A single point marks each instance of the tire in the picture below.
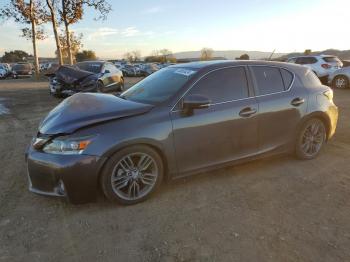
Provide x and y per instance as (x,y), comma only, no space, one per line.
(100,87)
(121,87)
(340,82)
(122,180)
(310,139)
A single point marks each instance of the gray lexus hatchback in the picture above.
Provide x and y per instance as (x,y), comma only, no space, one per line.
(182,120)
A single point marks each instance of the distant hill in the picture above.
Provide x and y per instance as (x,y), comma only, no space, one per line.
(229,54)
(232,54)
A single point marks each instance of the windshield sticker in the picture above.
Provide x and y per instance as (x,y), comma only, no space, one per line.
(184,72)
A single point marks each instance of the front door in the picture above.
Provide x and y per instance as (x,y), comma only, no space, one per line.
(225,131)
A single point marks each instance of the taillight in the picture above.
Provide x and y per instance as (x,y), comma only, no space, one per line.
(326,66)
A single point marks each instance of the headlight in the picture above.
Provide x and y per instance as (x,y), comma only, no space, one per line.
(67,146)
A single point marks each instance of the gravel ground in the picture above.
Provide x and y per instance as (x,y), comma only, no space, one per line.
(276,209)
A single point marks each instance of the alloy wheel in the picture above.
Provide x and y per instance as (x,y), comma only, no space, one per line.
(134,176)
(341,82)
(313,138)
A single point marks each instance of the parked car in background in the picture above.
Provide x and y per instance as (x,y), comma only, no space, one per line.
(181,120)
(5,70)
(22,70)
(90,76)
(322,65)
(340,78)
(130,70)
(346,63)
(149,69)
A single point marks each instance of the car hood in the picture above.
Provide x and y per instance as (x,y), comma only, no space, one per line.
(70,75)
(84,109)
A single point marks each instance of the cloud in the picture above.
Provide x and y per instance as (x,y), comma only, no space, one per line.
(129,32)
(102,32)
(153,10)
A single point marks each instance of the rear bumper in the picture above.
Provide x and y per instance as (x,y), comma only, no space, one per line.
(72,176)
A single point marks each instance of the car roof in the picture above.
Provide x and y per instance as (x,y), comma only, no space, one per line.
(319,56)
(226,63)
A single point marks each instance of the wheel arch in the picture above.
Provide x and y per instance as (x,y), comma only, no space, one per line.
(319,115)
(148,143)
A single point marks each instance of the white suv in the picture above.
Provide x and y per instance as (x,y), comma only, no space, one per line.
(321,65)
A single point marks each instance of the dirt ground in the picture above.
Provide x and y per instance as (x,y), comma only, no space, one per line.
(277,209)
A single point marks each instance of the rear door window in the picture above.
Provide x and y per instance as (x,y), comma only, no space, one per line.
(268,80)
(306,60)
(223,85)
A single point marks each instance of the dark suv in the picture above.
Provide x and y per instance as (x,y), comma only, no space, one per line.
(179,121)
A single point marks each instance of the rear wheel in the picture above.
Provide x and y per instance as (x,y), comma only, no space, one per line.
(132,175)
(310,139)
(340,82)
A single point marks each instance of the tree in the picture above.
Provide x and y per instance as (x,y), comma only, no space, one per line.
(307,52)
(243,57)
(76,44)
(206,54)
(52,4)
(85,55)
(31,14)
(133,56)
(166,53)
(161,56)
(72,11)
(14,56)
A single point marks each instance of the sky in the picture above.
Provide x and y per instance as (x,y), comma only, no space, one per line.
(189,25)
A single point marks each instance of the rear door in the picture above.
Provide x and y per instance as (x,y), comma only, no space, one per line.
(225,131)
(282,103)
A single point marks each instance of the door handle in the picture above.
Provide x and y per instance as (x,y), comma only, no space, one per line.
(248,111)
(297,101)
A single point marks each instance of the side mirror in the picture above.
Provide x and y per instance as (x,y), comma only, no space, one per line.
(107,71)
(194,101)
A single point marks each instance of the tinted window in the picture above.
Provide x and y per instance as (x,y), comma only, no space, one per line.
(330,59)
(268,79)
(159,86)
(93,67)
(306,60)
(111,68)
(21,67)
(287,78)
(223,85)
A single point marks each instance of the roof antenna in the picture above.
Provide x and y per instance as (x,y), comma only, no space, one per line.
(272,54)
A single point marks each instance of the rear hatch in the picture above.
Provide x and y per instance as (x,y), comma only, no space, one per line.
(333,61)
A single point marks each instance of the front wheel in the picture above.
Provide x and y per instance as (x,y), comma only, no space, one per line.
(132,175)
(121,85)
(340,82)
(310,139)
(100,87)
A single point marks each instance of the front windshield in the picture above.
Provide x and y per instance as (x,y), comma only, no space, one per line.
(90,67)
(159,86)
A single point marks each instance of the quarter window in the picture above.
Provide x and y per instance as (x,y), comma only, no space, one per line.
(268,80)
(223,85)
(287,78)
